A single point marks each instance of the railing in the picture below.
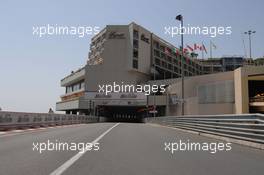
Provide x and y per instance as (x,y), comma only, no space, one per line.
(15,120)
(248,127)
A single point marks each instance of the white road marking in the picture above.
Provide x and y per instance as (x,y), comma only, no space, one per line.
(71,161)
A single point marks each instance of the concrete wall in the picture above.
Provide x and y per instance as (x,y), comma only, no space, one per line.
(192,104)
(229,98)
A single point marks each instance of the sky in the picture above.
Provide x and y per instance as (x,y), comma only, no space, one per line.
(31,67)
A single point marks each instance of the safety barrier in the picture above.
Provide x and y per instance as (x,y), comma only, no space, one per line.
(19,120)
(248,127)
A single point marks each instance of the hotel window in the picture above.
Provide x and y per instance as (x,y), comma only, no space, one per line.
(169,66)
(135,34)
(135,64)
(156,44)
(157,61)
(162,48)
(135,53)
(169,58)
(156,53)
(76,87)
(67,89)
(175,61)
(82,85)
(162,55)
(164,64)
(135,43)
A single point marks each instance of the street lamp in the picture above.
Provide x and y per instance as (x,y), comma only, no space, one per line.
(180,18)
(249,38)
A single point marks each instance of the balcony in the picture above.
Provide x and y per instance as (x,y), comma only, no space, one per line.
(79,103)
(73,77)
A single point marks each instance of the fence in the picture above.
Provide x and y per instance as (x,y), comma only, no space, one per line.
(9,120)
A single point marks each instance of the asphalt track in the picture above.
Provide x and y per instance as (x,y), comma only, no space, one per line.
(125,149)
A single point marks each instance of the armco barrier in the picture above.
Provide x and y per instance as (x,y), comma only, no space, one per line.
(11,120)
(248,127)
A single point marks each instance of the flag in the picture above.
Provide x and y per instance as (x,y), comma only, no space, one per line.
(196,46)
(190,48)
(204,48)
(187,60)
(185,51)
(167,51)
(176,51)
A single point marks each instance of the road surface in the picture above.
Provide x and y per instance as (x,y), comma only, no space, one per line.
(125,149)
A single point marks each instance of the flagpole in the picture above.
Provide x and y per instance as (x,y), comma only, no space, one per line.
(180,18)
(202,51)
(211,54)
(182,66)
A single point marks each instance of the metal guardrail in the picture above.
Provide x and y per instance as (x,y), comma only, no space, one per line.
(18,120)
(248,127)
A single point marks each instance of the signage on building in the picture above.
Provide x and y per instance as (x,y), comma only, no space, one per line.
(116,35)
(144,38)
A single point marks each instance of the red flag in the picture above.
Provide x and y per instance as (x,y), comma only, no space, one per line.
(190,48)
(167,51)
(204,48)
(187,60)
(185,50)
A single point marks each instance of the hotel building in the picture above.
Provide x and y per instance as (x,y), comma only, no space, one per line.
(128,54)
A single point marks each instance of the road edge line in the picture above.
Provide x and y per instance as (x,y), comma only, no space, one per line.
(72,160)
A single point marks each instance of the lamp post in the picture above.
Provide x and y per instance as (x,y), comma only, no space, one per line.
(154,106)
(249,33)
(180,18)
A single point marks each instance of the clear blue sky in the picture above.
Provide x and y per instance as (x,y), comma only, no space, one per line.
(31,67)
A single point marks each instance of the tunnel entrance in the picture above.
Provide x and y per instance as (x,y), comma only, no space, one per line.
(122,113)
(256,96)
